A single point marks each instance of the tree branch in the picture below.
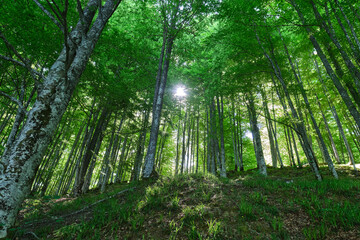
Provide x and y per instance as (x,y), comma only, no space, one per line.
(31,70)
(13,99)
(80,10)
(57,23)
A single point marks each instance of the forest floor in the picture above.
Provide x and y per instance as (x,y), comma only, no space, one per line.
(288,204)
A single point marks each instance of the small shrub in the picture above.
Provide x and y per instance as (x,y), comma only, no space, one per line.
(246,211)
(257,197)
(175,203)
(214,228)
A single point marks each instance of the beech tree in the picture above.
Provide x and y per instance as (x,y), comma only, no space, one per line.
(268,83)
(22,157)
(177,15)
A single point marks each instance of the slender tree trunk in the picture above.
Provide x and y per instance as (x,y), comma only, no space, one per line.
(161,150)
(89,153)
(94,156)
(221,128)
(337,119)
(197,140)
(277,144)
(209,148)
(70,158)
(295,148)
(342,91)
(188,151)
(269,128)
(159,94)
(336,154)
(289,147)
(240,141)
(124,165)
(256,135)
(55,161)
(332,35)
(183,152)
(121,160)
(315,125)
(299,126)
(177,143)
(157,159)
(140,148)
(213,140)
(205,144)
(105,171)
(234,136)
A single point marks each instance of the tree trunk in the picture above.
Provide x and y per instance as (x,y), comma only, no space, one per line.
(162,75)
(188,145)
(336,117)
(234,136)
(183,152)
(89,153)
(94,156)
(299,125)
(295,148)
(23,157)
(213,140)
(105,170)
(336,154)
(222,142)
(121,160)
(269,128)
(177,143)
(240,141)
(289,146)
(70,157)
(342,91)
(315,125)
(331,33)
(256,135)
(140,147)
(197,140)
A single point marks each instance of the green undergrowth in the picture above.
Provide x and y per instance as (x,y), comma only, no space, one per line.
(197,206)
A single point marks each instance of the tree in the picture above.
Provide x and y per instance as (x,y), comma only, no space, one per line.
(22,158)
(177,15)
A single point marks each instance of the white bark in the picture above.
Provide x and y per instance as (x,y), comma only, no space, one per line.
(257,138)
(23,157)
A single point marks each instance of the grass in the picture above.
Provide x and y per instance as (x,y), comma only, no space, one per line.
(196,206)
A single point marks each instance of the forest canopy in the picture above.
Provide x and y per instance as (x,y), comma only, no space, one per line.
(98,92)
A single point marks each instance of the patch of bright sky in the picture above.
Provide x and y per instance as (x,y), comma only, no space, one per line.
(249,134)
(180,91)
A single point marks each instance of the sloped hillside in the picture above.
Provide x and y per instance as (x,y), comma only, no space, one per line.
(245,206)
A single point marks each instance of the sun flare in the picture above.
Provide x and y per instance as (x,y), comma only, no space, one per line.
(180,92)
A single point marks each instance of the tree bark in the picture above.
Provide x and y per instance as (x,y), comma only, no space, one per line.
(183,152)
(298,125)
(197,140)
(168,41)
(213,140)
(140,147)
(177,143)
(331,33)
(337,119)
(342,91)
(23,157)
(256,135)
(220,107)
(89,153)
(269,128)
(307,104)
